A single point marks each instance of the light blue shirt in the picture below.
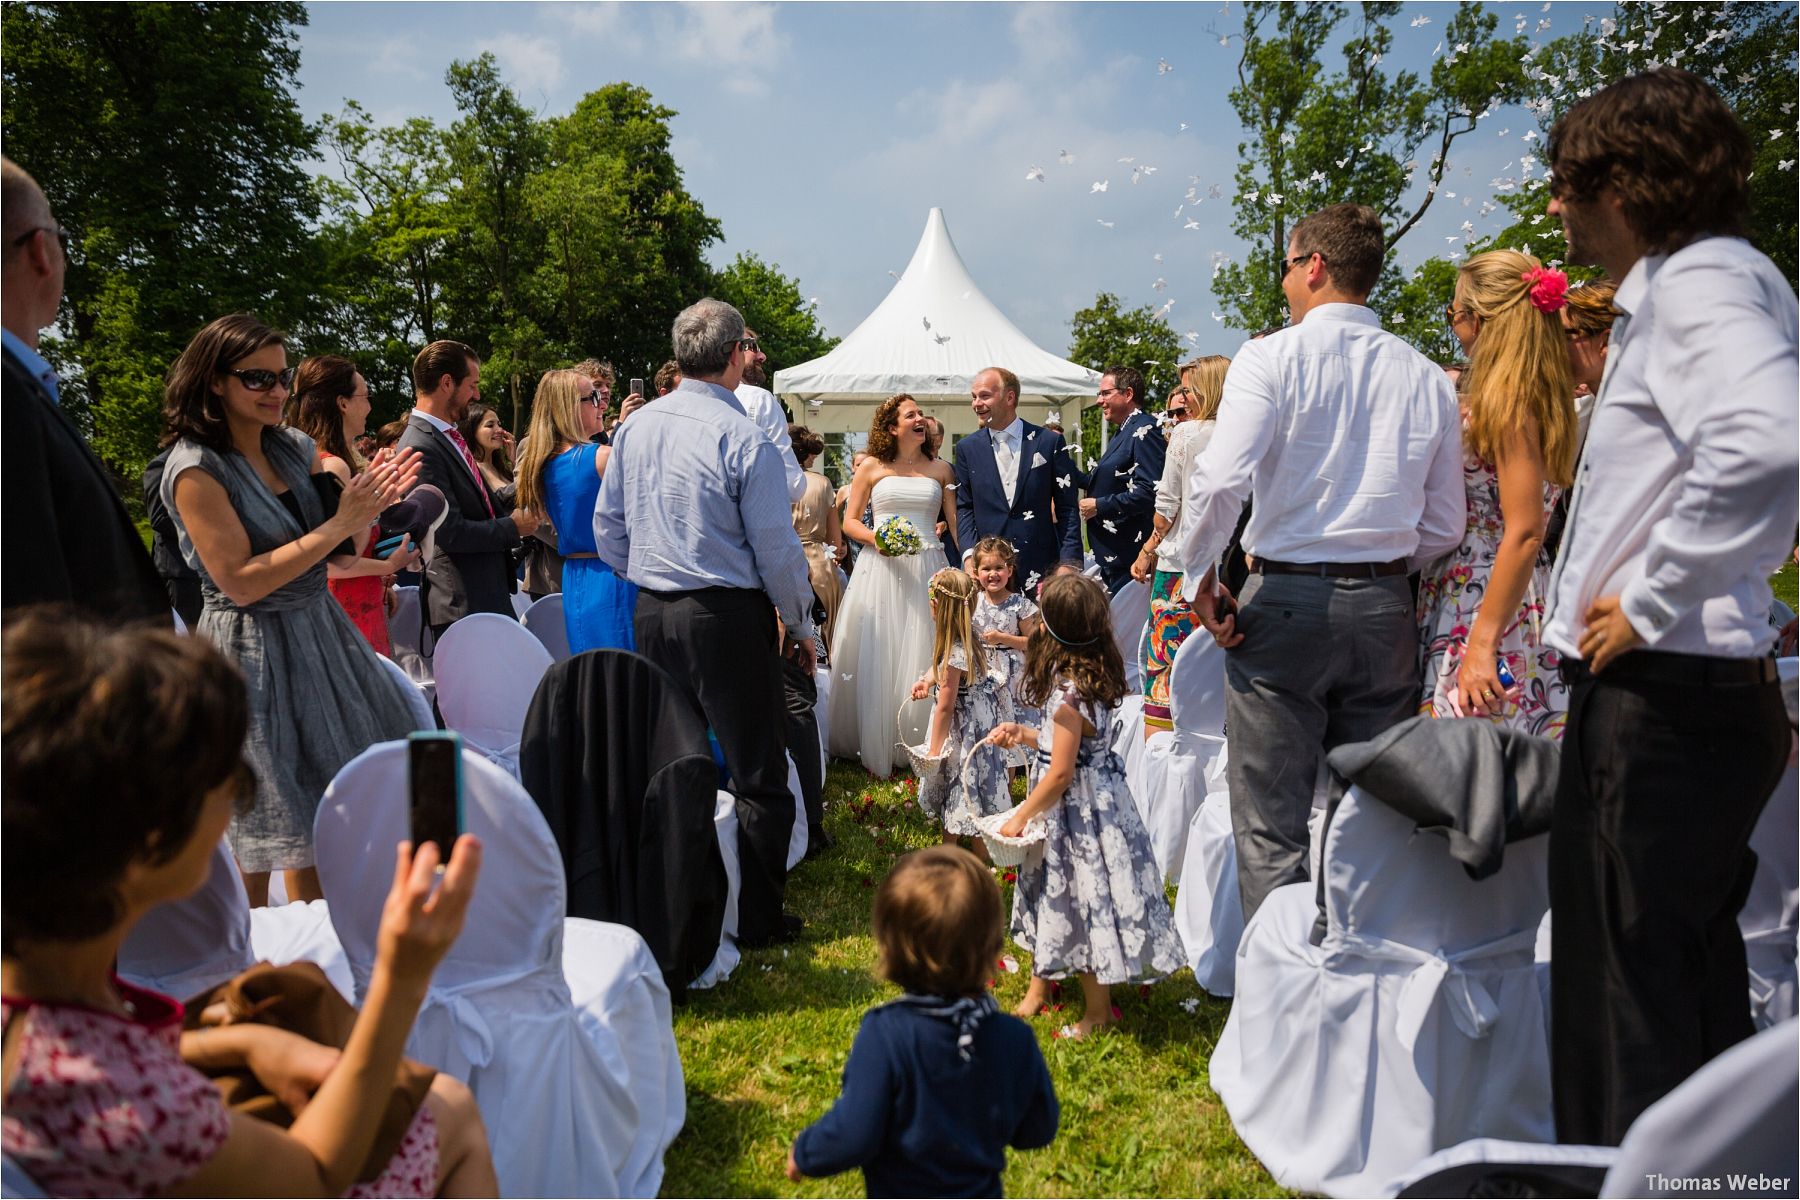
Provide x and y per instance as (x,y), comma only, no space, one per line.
(34,362)
(695,496)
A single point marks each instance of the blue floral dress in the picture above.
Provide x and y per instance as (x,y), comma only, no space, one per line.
(1091,900)
(981,704)
(1450,594)
(1007,664)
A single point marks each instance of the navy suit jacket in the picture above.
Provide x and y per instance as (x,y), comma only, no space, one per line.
(1041,522)
(472,571)
(1123,487)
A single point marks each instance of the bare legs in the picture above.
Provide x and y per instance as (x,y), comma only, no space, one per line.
(1096,998)
(302,884)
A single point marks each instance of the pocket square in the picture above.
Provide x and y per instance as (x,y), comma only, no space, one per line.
(1037,460)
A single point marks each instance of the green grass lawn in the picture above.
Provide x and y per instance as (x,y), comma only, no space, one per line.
(764,1051)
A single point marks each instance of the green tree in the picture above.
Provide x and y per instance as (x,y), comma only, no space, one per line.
(167,135)
(785,323)
(1104,335)
(1315,137)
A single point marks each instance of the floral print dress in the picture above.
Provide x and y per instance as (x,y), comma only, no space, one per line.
(1007,664)
(981,704)
(1450,593)
(1091,900)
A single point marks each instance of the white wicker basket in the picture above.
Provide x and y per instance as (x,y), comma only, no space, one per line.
(1010,851)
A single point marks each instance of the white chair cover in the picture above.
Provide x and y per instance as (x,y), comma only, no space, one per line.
(821,710)
(726,960)
(417,703)
(180,627)
(1176,764)
(797,835)
(521,601)
(1209,914)
(1130,612)
(1733,1121)
(1770,920)
(406,635)
(1417,1024)
(1494,1150)
(488,667)
(570,1111)
(547,624)
(192,945)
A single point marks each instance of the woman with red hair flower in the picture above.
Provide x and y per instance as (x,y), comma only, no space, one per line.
(1481,607)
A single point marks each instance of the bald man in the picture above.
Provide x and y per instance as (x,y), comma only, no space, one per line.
(65,536)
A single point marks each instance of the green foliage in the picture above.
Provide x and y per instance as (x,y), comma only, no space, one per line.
(1316,137)
(785,323)
(182,219)
(764,1053)
(1104,335)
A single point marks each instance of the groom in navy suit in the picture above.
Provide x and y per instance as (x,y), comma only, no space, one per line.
(1014,480)
(1121,490)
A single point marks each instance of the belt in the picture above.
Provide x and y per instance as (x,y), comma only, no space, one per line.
(581,554)
(685,593)
(1685,670)
(1327,570)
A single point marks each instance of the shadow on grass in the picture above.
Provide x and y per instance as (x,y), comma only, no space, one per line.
(704,1159)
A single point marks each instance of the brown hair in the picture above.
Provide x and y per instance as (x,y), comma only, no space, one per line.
(807,444)
(500,460)
(937,923)
(665,376)
(389,434)
(319,384)
(1591,308)
(1518,380)
(1349,238)
(439,359)
(882,443)
(555,426)
(596,368)
(1669,146)
(1128,379)
(1001,549)
(111,740)
(1204,379)
(190,409)
(1082,648)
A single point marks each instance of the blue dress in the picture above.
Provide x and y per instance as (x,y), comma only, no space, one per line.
(598,606)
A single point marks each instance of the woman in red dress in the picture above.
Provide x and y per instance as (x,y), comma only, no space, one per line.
(331,405)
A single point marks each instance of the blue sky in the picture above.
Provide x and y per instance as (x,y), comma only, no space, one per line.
(820,134)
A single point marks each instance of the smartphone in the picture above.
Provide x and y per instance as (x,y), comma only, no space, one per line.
(637,387)
(434,785)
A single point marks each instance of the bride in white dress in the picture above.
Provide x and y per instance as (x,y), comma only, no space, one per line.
(884,631)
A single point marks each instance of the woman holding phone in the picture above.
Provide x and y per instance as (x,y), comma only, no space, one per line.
(331,405)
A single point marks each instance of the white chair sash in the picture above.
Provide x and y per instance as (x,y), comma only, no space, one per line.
(1432,974)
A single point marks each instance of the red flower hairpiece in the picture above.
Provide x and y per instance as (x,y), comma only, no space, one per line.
(1547,288)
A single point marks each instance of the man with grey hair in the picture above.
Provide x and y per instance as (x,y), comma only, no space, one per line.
(694,510)
(67,536)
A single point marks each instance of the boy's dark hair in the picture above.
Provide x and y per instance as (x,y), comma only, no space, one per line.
(937,922)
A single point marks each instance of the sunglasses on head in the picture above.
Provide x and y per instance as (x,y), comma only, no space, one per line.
(256,379)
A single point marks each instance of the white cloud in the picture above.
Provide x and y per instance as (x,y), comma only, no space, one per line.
(1045,35)
(740,41)
(608,19)
(532,63)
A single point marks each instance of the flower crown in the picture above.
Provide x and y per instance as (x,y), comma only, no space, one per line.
(1546,287)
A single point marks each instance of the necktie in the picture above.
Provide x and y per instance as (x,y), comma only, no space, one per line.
(1005,462)
(480,484)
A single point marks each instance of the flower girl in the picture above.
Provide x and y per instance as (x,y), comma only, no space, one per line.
(1091,903)
(970,702)
(1004,620)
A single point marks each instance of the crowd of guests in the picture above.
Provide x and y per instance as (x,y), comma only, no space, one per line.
(1572,539)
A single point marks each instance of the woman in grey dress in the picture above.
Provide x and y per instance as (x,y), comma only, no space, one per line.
(239,485)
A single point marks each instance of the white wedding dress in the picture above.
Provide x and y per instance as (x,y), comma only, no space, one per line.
(884,632)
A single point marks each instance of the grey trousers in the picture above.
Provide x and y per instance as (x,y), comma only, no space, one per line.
(1324,662)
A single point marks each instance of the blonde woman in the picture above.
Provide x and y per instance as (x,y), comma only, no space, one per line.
(1195,409)
(559,475)
(1482,605)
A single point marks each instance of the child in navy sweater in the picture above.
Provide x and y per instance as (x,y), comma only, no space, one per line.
(939,1082)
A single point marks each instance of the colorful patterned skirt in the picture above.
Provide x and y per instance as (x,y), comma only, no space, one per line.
(1171,620)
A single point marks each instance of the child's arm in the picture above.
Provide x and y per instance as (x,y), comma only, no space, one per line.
(1065,743)
(850,1134)
(1012,641)
(1037,1125)
(945,707)
(1011,734)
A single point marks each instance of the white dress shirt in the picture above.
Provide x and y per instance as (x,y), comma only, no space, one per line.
(1007,443)
(1350,439)
(1185,444)
(761,406)
(1686,498)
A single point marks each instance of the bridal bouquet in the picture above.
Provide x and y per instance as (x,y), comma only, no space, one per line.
(898,537)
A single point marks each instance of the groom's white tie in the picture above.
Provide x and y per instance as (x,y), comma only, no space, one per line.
(1006,461)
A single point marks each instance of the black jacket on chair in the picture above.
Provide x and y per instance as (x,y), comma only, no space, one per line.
(473,569)
(67,536)
(617,759)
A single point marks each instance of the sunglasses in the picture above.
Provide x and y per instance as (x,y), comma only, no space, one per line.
(592,398)
(64,238)
(256,379)
(1288,264)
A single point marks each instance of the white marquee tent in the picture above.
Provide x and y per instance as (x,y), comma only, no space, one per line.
(930,337)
